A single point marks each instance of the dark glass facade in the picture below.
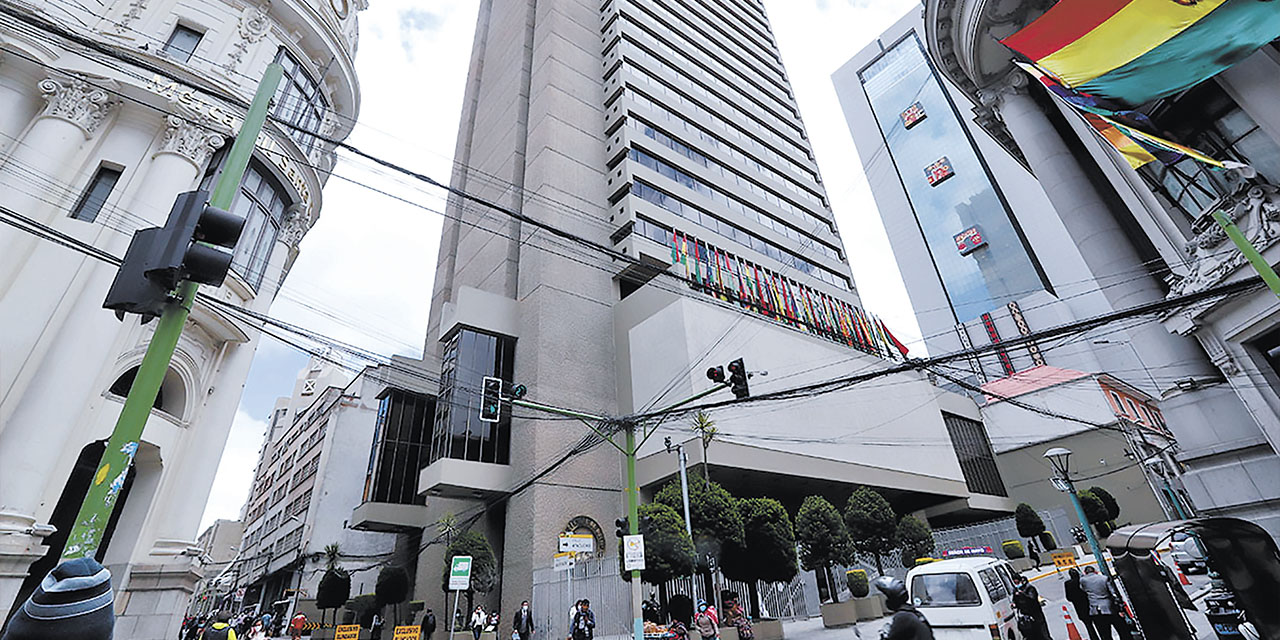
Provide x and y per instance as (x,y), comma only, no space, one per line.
(897,82)
(977,460)
(400,441)
(468,357)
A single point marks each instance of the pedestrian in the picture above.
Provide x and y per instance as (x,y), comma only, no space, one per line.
(1104,608)
(573,616)
(296,624)
(1031,620)
(375,627)
(478,620)
(680,608)
(1080,602)
(267,618)
(522,623)
(906,623)
(428,624)
(72,602)
(584,622)
(221,628)
(495,620)
(706,622)
(650,610)
(735,615)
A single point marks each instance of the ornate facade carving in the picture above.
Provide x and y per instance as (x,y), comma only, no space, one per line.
(1255,208)
(1218,355)
(75,100)
(193,141)
(297,222)
(136,7)
(254,25)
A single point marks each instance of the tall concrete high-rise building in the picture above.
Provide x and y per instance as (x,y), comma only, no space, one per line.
(666,132)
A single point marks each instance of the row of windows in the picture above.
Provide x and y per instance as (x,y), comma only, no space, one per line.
(737,206)
(299,102)
(662,199)
(1135,411)
(728,172)
(719,48)
(765,54)
(713,103)
(279,493)
(977,460)
(298,505)
(256,512)
(307,471)
(288,543)
(733,204)
(727,127)
(726,77)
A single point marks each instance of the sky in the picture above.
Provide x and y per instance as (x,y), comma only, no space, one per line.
(364,275)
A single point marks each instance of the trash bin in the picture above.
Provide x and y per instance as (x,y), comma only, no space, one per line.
(1221,610)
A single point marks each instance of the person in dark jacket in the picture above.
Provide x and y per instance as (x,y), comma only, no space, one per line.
(428,624)
(72,602)
(907,623)
(522,622)
(584,622)
(1031,620)
(1080,602)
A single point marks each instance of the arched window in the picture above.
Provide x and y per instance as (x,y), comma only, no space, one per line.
(262,200)
(172,398)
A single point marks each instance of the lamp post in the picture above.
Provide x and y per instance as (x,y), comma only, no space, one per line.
(684,482)
(1059,458)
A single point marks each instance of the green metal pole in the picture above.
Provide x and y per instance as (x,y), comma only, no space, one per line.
(633,518)
(1259,263)
(1088,531)
(100,501)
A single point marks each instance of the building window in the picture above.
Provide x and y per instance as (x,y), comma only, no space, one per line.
(1208,120)
(470,356)
(401,439)
(95,195)
(977,460)
(182,43)
(262,201)
(300,103)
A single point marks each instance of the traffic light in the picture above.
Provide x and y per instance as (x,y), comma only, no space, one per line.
(715,374)
(738,378)
(518,391)
(132,291)
(491,400)
(623,527)
(197,243)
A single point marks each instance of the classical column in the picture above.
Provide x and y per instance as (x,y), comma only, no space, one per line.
(16,100)
(1079,200)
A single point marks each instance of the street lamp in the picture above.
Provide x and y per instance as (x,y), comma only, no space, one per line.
(1060,458)
(684,482)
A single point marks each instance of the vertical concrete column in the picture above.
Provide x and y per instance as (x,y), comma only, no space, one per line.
(1087,213)
(16,100)
(1251,83)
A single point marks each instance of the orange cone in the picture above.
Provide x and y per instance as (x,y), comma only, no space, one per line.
(1182,577)
(1072,632)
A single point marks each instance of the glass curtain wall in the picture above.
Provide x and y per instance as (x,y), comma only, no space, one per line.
(468,357)
(400,446)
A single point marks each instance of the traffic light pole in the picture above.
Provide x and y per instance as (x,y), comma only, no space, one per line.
(104,490)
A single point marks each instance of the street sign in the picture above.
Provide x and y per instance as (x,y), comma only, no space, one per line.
(564,561)
(407,632)
(578,542)
(1060,484)
(347,632)
(460,573)
(633,553)
(1063,560)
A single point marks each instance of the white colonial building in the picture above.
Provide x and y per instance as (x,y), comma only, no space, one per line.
(107,111)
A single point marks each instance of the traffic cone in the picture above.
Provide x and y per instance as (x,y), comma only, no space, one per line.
(1182,577)
(1072,632)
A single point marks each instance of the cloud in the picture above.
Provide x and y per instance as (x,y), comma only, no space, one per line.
(235,472)
(416,23)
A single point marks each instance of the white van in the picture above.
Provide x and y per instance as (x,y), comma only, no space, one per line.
(965,598)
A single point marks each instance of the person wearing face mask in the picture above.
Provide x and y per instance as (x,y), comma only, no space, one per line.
(522,623)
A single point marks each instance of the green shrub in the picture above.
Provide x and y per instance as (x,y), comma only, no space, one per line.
(1013,549)
(1047,541)
(859,586)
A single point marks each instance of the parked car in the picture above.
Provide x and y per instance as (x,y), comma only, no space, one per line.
(1187,554)
(966,598)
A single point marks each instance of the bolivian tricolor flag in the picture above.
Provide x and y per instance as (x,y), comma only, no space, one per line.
(1136,51)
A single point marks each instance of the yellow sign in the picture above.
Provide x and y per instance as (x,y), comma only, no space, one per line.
(347,632)
(407,633)
(1063,560)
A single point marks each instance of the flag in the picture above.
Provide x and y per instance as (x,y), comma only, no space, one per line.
(902,348)
(1136,51)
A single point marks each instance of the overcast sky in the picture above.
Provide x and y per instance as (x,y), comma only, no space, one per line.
(365,272)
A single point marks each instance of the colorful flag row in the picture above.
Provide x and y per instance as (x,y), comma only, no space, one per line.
(738,281)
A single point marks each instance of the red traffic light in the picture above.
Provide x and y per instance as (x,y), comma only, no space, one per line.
(715,374)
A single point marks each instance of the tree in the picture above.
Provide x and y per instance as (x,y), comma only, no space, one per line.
(916,540)
(335,584)
(484,567)
(822,537)
(871,523)
(1108,501)
(768,552)
(668,551)
(715,519)
(705,427)
(392,588)
(1095,511)
(1030,525)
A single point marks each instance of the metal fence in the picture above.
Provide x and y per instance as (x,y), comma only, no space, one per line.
(597,580)
(994,532)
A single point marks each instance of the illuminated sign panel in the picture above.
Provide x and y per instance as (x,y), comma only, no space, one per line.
(939,171)
(970,240)
(913,115)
